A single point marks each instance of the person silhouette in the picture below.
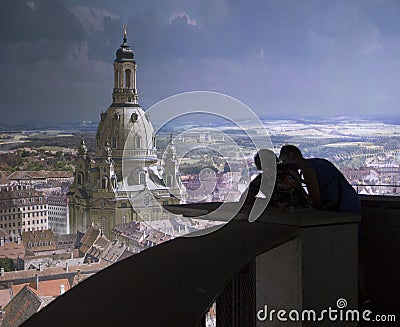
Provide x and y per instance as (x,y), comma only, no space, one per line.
(326,185)
(277,185)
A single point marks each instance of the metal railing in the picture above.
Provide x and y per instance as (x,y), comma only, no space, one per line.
(235,305)
(396,187)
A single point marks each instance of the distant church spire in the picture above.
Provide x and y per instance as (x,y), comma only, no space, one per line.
(82,150)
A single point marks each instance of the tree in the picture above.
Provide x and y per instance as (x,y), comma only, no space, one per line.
(7,264)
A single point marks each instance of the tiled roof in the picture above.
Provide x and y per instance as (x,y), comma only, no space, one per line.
(41,236)
(10,192)
(101,242)
(39,174)
(130,230)
(65,241)
(25,274)
(126,254)
(158,237)
(12,250)
(46,287)
(97,248)
(21,307)
(113,252)
(89,238)
(5,297)
(79,278)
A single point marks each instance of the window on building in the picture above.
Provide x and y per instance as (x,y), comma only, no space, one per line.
(138,142)
(104,183)
(116,78)
(128,76)
(142,178)
(114,142)
(103,224)
(146,200)
(80,179)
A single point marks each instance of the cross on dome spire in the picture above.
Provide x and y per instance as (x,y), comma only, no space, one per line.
(125,26)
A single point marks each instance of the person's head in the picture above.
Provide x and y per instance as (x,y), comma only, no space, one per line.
(264,158)
(291,154)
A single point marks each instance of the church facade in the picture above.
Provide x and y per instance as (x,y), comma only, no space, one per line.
(124,180)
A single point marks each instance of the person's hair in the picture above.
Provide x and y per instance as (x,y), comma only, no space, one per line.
(288,148)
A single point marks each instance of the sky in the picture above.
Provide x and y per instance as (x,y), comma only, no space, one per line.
(279,57)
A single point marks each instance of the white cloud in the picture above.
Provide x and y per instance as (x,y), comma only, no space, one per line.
(176,15)
(92,18)
(31,5)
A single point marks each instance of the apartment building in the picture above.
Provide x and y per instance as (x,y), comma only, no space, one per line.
(22,208)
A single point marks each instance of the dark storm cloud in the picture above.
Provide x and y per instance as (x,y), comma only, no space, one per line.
(44,64)
(277,56)
(41,29)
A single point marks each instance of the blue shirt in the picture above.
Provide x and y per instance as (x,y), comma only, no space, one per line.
(333,186)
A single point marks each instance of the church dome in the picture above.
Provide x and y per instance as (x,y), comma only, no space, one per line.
(124,53)
(129,129)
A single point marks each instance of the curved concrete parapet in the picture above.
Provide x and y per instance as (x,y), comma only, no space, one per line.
(168,285)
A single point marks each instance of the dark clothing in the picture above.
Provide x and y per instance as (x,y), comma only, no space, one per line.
(287,191)
(336,192)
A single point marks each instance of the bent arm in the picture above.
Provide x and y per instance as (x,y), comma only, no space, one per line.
(311,180)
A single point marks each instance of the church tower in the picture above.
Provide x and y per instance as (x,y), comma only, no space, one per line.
(125,91)
(98,196)
(125,116)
